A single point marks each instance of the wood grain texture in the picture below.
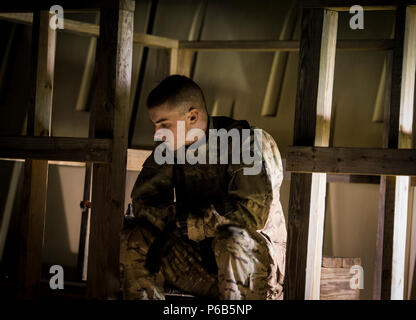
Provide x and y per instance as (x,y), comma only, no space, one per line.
(149,40)
(93,30)
(30,6)
(281,45)
(369,161)
(109,120)
(279,64)
(367,4)
(36,171)
(392,222)
(56,148)
(322,136)
(336,277)
(312,122)
(180,62)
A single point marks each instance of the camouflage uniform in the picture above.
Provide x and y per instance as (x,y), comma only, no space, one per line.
(220,214)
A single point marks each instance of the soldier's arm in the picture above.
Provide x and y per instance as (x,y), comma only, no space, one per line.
(248,201)
(152,194)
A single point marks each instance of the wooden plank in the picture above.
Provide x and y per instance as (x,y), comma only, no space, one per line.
(383,91)
(366,4)
(180,62)
(332,262)
(56,148)
(138,81)
(391,232)
(405,141)
(335,285)
(36,171)
(90,29)
(279,64)
(336,277)
(351,178)
(349,262)
(280,45)
(312,118)
(109,120)
(30,6)
(369,161)
(154,41)
(135,160)
(87,75)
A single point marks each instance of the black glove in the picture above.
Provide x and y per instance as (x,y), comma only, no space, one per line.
(161,245)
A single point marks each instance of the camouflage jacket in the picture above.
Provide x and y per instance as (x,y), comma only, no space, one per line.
(209,195)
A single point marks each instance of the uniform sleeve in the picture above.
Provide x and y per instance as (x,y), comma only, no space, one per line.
(248,202)
(152,194)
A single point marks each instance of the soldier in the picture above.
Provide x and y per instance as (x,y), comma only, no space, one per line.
(208,229)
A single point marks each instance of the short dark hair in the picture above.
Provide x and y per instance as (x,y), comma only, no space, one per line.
(175,90)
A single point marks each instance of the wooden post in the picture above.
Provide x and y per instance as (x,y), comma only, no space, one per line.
(32,222)
(279,65)
(87,75)
(109,119)
(312,121)
(392,225)
(180,62)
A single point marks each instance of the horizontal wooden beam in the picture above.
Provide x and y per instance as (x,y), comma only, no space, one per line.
(70,5)
(136,158)
(280,45)
(368,5)
(56,148)
(89,29)
(368,161)
(92,30)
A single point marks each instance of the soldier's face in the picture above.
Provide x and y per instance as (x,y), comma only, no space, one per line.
(177,122)
(164,117)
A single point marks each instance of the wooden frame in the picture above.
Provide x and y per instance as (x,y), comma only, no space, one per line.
(92,30)
(109,118)
(56,148)
(312,120)
(36,171)
(89,29)
(394,191)
(107,144)
(302,157)
(369,161)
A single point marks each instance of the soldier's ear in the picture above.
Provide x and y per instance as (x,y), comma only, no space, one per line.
(193,115)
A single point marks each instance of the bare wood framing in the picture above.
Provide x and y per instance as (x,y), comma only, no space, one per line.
(279,64)
(56,148)
(36,171)
(397,189)
(345,5)
(136,158)
(30,6)
(280,45)
(395,121)
(180,62)
(369,161)
(312,120)
(87,75)
(90,29)
(109,120)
